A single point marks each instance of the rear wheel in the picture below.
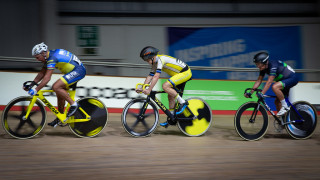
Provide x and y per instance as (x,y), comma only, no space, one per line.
(301,128)
(201,124)
(14,122)
(251,122)
(99,117)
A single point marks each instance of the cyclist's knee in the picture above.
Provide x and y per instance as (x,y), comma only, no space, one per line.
(166,85)
(276,86)
(58,85)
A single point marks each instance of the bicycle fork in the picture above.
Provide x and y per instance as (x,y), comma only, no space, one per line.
(31,104)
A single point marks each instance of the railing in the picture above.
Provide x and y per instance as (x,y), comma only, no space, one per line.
(132,65)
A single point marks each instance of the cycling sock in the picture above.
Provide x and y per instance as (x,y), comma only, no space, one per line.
(74,104)
(284,103)
(180,100)
(171,110)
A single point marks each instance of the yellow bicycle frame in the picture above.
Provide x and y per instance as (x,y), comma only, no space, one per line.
(61,116)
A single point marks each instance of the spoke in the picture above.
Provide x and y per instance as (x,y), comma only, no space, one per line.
(16,117)
(145,124)
(20,125)
(133,114)
(23,108)
(135,123)
(33,113)
(29,121)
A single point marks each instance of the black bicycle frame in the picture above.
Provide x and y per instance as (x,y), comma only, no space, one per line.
(265,105)
(276,117)
(152,95)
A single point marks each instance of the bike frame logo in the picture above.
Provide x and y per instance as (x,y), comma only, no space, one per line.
(160,104)
(50,106)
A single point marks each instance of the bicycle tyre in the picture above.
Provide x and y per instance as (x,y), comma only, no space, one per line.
(143,126)
(245,127)
(305,129)
(12,118)
(199,126)
(99,118)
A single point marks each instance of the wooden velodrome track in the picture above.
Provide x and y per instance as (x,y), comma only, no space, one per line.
(166,154)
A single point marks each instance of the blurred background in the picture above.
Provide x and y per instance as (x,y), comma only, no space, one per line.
(219,37)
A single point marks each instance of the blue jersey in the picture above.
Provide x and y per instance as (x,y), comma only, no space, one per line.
(278,69)
(63,60)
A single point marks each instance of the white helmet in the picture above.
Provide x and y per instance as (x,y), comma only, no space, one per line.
(39,48)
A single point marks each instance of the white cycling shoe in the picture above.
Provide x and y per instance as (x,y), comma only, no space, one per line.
(282,111)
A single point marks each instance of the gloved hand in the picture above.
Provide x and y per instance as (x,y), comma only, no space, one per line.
(260,95)
(28,87)
(32,92)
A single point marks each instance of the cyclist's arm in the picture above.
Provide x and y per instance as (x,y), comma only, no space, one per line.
(268,84)
(40,75)
(148,80)
(257,83)
(154,81)
(46,79)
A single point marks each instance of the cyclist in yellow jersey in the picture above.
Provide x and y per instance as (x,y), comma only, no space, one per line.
(68,64)
(178,70)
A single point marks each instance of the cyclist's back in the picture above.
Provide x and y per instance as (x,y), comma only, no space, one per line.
(278,69)
(63,60)
(168,64)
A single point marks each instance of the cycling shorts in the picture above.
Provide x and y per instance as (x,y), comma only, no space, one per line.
(288,83)
(180,78)
(74,76)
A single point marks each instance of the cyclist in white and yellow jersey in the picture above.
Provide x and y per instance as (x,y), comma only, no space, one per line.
(68,64)
(178,70)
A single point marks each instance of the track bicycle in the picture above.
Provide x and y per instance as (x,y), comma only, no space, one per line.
(25,117)
(140,116)
(251,119)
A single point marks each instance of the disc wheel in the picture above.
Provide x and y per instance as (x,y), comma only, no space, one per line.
(305,128)
(201,124)
(99,117)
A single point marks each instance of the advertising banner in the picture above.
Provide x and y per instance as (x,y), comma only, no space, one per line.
(220,95)
(234,47)
(223,96)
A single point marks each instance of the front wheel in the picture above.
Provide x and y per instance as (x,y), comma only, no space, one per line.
(14,121)
(251,121)
(199,125)
(301,120)
(140,118)
(99,117)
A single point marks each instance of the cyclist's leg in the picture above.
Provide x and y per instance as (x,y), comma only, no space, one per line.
(61,103)
(175,81)
(278,104)
(167,87)
(281,89)
(60,87)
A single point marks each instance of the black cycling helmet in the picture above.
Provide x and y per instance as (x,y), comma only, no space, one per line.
(261,57)
(148,52)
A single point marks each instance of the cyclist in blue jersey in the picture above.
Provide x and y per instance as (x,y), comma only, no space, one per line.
(278,71)
(68,64)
